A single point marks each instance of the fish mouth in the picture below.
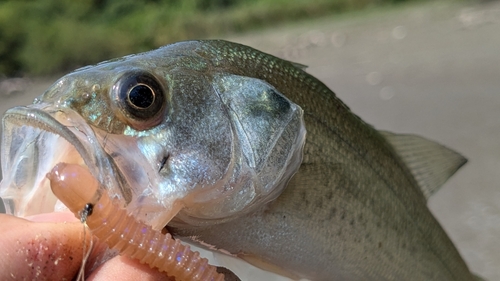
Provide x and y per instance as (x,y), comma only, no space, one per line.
(34,140)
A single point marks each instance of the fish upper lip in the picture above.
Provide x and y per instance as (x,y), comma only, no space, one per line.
(41,119)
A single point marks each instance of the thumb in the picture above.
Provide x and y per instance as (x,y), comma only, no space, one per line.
(41,250)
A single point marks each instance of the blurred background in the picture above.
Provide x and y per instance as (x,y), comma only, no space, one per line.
(426,67)
(50,36)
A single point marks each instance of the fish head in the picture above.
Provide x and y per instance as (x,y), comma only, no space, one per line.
(165,133)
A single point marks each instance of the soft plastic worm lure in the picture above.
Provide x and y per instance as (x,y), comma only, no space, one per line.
(78,190)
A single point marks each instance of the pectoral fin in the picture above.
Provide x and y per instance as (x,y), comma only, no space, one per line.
(430,163)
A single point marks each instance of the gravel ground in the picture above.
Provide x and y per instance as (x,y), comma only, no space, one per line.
(430,69)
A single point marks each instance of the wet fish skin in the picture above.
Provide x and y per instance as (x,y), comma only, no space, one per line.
(352,212)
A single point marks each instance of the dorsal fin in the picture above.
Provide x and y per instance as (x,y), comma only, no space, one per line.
(298,65)
(430,163)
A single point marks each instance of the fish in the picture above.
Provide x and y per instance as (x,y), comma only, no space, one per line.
(241,152)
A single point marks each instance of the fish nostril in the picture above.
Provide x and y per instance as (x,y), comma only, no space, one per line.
(163,162)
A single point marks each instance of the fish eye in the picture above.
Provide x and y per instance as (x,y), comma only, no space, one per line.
(141,99)
(141,96)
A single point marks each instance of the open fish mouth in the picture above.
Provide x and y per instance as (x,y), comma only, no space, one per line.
(34,140)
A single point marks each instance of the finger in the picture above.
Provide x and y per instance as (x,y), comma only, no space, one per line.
(53,217)
(123,268)
(38,251)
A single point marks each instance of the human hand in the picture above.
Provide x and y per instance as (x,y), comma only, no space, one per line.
(50,247)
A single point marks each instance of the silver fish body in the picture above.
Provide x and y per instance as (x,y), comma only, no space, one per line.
(354,211)
(226,146)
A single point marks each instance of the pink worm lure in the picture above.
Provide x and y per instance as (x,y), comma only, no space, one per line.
(78,190)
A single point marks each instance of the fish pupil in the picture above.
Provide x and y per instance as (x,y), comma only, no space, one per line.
(141,96)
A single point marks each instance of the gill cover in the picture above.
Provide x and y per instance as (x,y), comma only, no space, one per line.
(268,134)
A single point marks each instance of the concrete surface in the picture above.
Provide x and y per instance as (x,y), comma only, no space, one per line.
(431,69)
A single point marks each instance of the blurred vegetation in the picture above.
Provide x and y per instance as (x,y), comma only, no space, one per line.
(49,36)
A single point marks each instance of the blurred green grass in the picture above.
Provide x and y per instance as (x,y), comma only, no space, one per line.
(49,36)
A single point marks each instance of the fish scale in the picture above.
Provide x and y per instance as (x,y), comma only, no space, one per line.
(224,151)
(337,136)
